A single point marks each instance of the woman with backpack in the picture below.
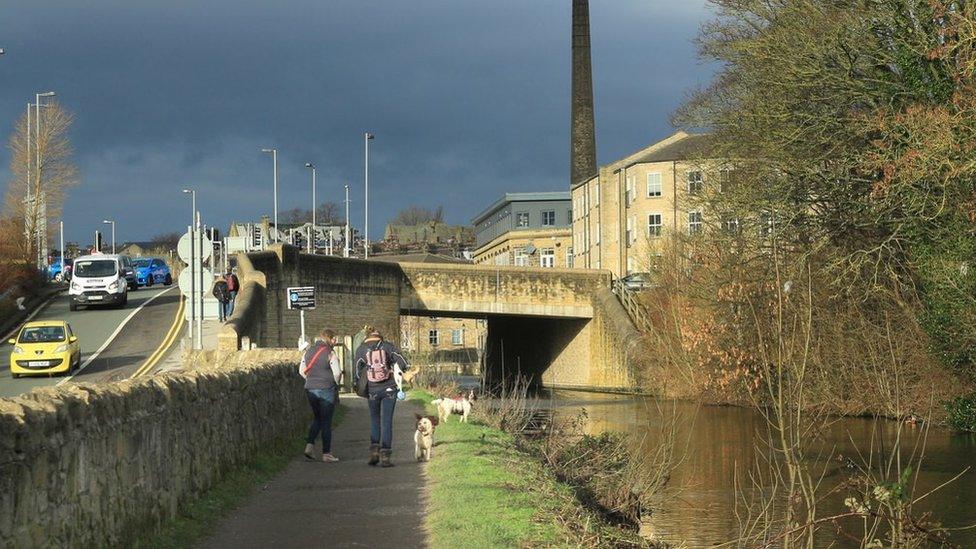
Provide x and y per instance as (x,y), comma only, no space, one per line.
(382,365)
(323,373)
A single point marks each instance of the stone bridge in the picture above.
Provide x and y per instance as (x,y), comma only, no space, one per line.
(562,327)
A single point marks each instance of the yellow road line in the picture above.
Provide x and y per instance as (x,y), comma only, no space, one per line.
(167,341)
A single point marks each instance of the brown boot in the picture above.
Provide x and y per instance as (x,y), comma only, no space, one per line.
(385,458)
(374,454)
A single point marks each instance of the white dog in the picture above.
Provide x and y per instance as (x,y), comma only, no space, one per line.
(460,406)
(423,439)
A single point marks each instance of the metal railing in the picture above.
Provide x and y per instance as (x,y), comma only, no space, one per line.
(631,303)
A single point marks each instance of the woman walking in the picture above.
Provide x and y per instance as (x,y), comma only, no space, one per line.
(322,372)
(382,364)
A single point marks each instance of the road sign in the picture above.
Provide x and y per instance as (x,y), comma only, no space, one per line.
(301,297)
(183,248)
(184,281)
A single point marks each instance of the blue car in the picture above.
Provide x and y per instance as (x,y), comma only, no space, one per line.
(53,270)
(151,270)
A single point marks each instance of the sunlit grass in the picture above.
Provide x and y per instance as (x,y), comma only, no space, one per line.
(483,492)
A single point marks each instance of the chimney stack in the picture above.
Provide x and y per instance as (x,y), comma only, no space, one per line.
(582,132)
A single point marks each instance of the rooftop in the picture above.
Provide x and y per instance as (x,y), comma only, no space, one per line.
(507,198)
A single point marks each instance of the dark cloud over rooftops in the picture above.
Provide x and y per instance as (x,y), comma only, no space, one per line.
(468,99)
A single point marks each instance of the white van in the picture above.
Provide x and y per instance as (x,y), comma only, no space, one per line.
(98,279)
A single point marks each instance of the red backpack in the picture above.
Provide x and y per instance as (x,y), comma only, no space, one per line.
(377,364)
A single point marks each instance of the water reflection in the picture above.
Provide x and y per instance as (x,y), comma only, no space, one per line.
(724,443)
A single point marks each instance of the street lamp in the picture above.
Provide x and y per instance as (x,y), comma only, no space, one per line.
(112,223)
(310,240)
(192,295)
(366,139)
(345,248)
(274,155)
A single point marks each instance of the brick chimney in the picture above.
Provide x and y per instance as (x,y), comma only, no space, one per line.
(582,155)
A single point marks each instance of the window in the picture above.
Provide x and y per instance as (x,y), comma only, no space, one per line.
(630,231)
(596,240)
(654,184)
(696,182)
(569,217)
(731,225)
(547,257)
(432,337)
(521,257)
(724,180)
(569,258)
(629,191)
(457,336)
(596,193)
(548,218)
(694,222)
(522,219)
(654,224)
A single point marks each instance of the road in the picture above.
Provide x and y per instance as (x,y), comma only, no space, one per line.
(131,346)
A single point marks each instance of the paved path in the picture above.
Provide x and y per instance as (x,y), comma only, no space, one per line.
(345,504)
(131,346)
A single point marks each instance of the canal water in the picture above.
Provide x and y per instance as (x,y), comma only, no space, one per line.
(718,445)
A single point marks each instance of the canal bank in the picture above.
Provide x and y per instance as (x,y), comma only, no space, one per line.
(719,447)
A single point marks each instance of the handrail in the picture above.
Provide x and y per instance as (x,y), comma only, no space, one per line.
(635,310)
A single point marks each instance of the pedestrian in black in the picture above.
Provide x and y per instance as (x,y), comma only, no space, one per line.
(323,373)
(223,296)
(382,364)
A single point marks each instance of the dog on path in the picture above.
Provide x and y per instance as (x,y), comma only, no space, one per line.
(460,406)
(423,439)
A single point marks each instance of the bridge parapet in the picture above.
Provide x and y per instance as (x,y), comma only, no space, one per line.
(457,290)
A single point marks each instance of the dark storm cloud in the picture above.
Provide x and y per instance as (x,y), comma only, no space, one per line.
(468,99)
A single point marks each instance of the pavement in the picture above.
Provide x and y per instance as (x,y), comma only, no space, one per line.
(114,342)
(344,504)
(173,361)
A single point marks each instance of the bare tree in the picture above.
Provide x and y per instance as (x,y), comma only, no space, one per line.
(326,214)
(41,172)
(415,215)
(167,240)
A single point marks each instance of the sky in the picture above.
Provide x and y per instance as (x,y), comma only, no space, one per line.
(468,99)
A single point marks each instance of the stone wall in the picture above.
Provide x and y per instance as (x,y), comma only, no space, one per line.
(98,465)
(349,293)
(614,345)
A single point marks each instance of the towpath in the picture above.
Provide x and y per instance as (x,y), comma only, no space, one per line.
(344,504)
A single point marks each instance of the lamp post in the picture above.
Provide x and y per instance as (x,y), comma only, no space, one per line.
(112,223)
(345,250)
(311,247)
(193,245)
(274,156)
(41,235)
(367,137)
(61,230)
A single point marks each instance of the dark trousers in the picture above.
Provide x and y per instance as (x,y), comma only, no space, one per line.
(323,403)
(381,407)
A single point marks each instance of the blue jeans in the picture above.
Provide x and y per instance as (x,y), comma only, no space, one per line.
(381,407)
(323,403)
(229,306)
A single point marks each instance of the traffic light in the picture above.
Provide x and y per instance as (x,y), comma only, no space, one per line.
(98,241)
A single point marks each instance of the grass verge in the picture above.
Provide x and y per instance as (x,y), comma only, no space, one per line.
(485,492)
(199,518)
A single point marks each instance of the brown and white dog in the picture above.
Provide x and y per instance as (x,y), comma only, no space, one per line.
(460,406)
(423,439)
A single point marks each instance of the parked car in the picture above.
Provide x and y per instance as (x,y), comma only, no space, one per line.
(45,347)
(637,282)
(152,270)
(54,271)
(98,279)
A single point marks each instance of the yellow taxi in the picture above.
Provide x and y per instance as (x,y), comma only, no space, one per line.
(45,347)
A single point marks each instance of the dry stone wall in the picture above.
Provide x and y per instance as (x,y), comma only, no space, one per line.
(98,465)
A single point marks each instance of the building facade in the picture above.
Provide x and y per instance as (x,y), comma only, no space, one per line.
(526,229)
(620,215)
